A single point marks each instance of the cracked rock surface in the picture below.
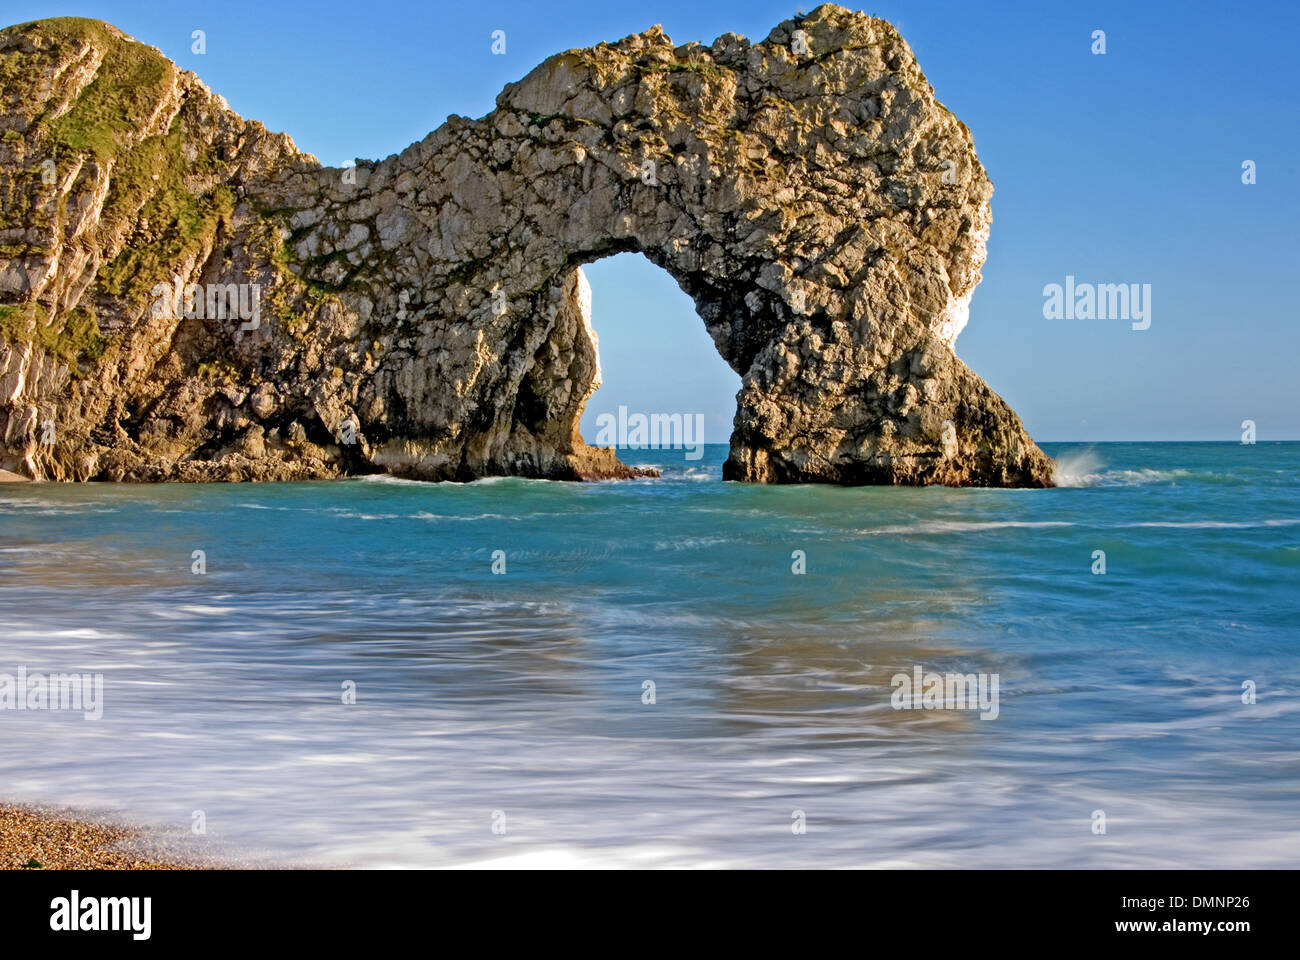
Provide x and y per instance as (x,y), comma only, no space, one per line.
(426,315)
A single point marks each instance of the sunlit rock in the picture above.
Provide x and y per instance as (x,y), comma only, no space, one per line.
(425,315)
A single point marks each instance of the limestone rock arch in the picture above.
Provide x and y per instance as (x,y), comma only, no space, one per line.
(826,214)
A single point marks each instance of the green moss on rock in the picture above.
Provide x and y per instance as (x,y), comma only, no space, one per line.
(75,339)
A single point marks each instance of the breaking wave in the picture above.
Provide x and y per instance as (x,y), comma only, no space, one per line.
(1084,468)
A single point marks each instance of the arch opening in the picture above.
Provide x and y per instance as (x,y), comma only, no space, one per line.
(662,391)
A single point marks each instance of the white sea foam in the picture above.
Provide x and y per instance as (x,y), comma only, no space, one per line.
(1217,524)
(974,526)
(492,481)
(425,515)
(961,526)
(1084,468)
(42,508)
(346,514)
(689,543)
(385,478)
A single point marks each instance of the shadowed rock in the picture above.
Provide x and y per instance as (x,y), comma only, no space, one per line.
(427,316)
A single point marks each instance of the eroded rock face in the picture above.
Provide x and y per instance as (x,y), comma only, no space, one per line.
(425,315)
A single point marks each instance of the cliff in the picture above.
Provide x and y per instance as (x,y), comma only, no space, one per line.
(186,296)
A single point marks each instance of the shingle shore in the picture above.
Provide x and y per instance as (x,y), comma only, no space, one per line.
(60,839)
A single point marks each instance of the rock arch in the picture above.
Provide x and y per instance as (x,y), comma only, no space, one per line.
(825,213)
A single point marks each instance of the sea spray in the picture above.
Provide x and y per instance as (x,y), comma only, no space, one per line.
(1080,468)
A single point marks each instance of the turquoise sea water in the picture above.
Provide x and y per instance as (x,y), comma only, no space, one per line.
(481,694)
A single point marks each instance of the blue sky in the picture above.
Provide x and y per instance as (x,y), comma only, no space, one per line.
(1122,168)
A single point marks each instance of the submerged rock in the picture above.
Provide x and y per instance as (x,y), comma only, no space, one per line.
(186,296)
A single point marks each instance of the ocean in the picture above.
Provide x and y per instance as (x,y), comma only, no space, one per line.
(633,674)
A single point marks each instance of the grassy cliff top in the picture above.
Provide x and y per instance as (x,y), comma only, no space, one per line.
(129,80)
